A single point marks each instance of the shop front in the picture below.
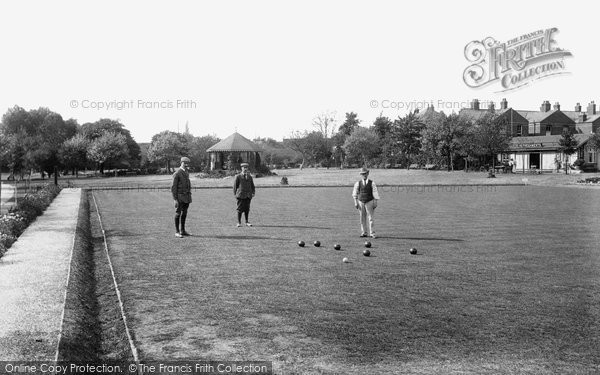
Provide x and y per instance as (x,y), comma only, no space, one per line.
(541,154)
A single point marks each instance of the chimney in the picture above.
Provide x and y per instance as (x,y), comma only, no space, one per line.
(475,104)
(582,117)
(545,107)
(578,107)
(556,106)
(491,106)
(504,104)
(591,109)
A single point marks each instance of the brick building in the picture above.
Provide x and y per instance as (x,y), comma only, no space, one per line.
(536,134)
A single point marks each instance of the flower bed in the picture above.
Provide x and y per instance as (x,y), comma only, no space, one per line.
(590,180)
(19,218)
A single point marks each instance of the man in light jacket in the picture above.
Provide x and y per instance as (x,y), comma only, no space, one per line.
(365,196)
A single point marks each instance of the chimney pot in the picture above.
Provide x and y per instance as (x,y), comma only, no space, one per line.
(591,109)
(545,107)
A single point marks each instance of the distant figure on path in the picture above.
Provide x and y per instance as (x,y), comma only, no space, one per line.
(365,200)
(244,190)
(182,195)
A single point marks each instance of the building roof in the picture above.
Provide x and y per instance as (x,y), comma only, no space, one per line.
(573,115)
(542,116)
(476,114)
(536,116)
(473,114)
(429,110)
(576,116)
(235,142)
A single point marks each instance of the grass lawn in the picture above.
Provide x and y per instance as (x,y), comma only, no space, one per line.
(334,177)
(505,280)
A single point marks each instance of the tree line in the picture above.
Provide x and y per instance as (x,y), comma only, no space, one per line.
(41,140)
(450,141)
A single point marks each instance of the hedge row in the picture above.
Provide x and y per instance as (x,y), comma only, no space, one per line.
(19,217)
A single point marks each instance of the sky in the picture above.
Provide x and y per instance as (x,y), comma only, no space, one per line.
(268,68)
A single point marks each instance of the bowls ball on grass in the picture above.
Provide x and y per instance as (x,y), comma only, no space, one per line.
(367,244)
(317,243)
(412,250)
(301,243)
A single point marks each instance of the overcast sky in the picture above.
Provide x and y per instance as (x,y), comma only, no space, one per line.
(267,68)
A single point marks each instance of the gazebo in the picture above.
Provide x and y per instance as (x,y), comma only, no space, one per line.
(234,150)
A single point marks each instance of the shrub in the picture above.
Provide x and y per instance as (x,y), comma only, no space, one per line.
(216,174)
(18,218)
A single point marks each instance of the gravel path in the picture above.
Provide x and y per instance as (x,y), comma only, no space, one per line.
(33,280)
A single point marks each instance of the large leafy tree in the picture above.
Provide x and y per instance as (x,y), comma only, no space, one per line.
(350,124)
(97,129)
(73,153)
(467,145)
(198,147)
(35,138)
(430,139)
(108,148)
(297,142)
(491,135)
(567,145)
(166,147)
(594,142)
(52,133)
(406,138)
(276,153)
(317,148)
(382,127)
(325,125)
(452,129)
(362,146)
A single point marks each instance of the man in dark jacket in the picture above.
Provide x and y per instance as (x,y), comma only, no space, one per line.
(243,189)
(182,195)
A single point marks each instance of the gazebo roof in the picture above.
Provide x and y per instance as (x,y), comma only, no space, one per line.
(235,142)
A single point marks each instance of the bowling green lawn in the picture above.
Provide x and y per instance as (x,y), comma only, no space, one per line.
(506,279)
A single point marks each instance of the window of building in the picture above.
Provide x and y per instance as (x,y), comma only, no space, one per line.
(548,129)
(519,130)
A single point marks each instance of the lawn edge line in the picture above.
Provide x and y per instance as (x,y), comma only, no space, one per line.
(118,292)
(62,315)
(166,188)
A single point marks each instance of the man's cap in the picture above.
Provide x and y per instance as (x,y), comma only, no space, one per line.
(184,159)
(244,165)
(364,171)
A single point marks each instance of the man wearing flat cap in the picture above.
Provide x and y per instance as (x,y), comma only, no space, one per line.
(243,189)
(365,196)
(182,195)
